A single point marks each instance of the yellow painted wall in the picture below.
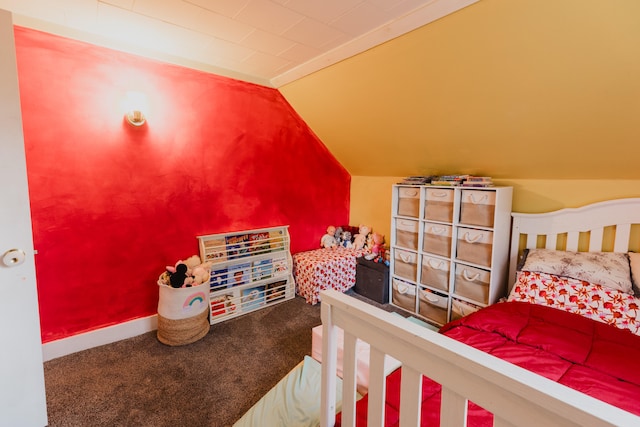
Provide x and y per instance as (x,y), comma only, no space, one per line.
(527,89)
(371,196)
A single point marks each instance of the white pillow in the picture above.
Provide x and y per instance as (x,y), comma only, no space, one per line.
(609,269)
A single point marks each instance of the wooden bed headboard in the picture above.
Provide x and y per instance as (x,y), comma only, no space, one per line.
(604,226)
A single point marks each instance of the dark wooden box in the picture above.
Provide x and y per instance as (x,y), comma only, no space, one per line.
(372,280)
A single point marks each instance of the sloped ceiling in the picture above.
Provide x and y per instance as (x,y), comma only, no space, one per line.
(269,42)
(516,90)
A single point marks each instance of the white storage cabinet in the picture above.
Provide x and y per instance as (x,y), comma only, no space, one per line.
(251,269)
(449,249)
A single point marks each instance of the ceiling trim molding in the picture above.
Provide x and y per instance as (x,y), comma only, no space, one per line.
(409,22)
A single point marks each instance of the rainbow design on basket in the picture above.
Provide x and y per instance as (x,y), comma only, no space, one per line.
(194,301)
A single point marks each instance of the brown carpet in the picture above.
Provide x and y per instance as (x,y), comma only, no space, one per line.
(212,382)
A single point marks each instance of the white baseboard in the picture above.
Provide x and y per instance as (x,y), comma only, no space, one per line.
(87,340)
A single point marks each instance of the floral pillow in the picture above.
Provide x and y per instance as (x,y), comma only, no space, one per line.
(609,269)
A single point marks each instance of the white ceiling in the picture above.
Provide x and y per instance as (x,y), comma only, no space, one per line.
(269,42)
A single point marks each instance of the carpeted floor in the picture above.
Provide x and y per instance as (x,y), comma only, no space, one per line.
(212,382)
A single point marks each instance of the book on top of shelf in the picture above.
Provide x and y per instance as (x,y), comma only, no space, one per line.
(259,243)
(237,246)
(239,274)
(261,270)
(252,298)
(275,290)
(215,249)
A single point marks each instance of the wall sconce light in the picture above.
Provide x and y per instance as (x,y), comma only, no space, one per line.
(135,104)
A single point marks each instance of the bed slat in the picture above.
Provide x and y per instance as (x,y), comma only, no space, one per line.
(410,397)
(453,409)
(623,233)
(572,240)
(552,241)
(595,240)
(377,388)
(349,383)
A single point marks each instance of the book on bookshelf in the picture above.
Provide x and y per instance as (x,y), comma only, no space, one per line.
(223,304)
(239,274)
(277,240)
(259,243)
(219,279)
(261,270)
(275,290)
(215,249)
(280,266)
(237,246)
(253,298)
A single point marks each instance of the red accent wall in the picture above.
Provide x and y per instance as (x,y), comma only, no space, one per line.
(112,204)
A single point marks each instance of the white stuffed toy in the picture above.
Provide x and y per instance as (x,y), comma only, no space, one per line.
(360,239)
(329,240)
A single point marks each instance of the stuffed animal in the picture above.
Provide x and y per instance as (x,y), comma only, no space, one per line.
(378,244)
(329,240)
(346,240)
(187,273)
(360,239)
(338,235)
(178,277)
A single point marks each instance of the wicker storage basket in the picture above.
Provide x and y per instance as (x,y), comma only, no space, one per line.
(183,314)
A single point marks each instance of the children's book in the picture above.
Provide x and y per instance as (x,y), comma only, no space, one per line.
(239,274)
(259,243)
(223,304)
(275,291)
(276,240)
(215,249)
(280,266)
(252,298)
(218,279)
(261,270)
(237,246)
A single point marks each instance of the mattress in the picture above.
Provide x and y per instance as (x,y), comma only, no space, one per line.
(294,401)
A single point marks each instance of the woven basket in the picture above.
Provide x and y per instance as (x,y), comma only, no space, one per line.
(183,314)
(183,331)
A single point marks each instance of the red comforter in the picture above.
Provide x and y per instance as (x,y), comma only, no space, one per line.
(594,358)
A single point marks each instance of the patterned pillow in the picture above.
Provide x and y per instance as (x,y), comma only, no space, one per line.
(609,269)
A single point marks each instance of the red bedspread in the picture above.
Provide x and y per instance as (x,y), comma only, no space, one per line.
(592,357)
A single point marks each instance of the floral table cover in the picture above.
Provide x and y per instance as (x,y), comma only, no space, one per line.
(327,268)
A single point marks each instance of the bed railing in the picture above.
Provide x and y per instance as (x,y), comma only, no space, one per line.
(515,396)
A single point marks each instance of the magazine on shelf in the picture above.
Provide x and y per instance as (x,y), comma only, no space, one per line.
(239,274)
(237,246)
(261,269)
(215,249)
(252,298)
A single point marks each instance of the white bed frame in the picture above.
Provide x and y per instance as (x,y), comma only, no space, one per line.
(515,396)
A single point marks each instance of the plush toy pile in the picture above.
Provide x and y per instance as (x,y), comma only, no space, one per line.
(365,239)
(187,273)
